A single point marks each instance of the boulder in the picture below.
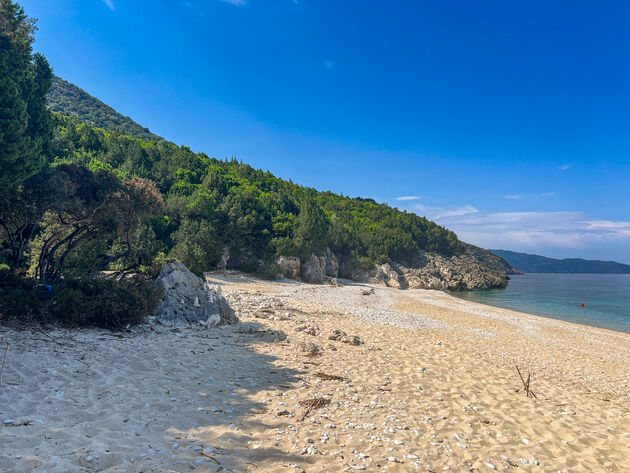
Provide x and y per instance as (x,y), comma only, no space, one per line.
(391,276)
(290,267)
(312,270)
(188,300)
(225,258)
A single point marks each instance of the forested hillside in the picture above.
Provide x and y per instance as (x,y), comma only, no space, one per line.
(68,99)
(540,264)
(212,204)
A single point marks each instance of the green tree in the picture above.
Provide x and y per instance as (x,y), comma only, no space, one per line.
(196,245)
(311,230)
(25,79)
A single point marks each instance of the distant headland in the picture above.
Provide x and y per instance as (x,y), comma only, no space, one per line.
(529,263)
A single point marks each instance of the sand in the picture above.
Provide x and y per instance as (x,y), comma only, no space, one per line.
(430,384)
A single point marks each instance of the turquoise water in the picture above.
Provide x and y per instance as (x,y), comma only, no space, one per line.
(606,298)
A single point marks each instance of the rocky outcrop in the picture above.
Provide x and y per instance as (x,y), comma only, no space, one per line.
(475,268)
(225,259)
(315,270)
(320,269)
(189,300)
(432,271)
(390,275)
(290,267)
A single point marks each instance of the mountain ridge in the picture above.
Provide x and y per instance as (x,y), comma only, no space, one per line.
(531,263)
(70,100)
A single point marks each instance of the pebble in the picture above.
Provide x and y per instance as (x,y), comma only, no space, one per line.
(89,458)
(394,460)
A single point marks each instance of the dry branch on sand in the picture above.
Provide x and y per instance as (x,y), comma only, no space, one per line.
(330,377)
(312,404)
(526,383)
(4,359)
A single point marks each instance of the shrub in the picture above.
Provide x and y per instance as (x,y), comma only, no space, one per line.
(105,303)
(18,302)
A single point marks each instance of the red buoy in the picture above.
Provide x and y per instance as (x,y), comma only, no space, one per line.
(582,304)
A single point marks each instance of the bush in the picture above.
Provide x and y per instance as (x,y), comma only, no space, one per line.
(18,302)
(105,303)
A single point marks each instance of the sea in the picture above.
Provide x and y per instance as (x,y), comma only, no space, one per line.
(606,298)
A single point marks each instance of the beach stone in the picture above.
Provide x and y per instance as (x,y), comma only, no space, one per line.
(188,300)
(265,333)
(308,347)
(352,340)
(337,335)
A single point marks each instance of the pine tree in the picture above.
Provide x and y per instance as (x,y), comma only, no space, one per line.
(25,79)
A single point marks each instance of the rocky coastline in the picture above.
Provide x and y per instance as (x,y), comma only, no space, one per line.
(474,269)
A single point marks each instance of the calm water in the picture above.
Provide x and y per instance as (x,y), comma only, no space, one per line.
(606,298)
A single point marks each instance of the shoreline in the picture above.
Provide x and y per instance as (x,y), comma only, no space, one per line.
(604,307)
(421,381)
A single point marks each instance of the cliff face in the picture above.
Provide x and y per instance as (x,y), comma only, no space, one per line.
(431,271)
(473,269)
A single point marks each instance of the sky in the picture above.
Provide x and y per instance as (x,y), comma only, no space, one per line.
(507,122)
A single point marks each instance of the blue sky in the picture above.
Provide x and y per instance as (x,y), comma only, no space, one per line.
(508,122)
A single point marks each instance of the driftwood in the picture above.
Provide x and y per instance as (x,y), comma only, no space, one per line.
(367,292)
(526,383)
(4,359)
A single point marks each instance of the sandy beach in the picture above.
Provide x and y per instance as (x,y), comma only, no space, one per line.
(408,381)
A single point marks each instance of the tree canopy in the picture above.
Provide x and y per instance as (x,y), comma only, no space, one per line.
(25,78)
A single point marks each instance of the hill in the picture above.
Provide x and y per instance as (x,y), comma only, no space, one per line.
(540,264)
(227,213)
(68,99)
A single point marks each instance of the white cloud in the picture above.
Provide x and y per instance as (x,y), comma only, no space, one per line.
(110,4)
(524,196)
(408,197)
(607,225)
(564,167)
(238,3)
(529,231)
(467,210)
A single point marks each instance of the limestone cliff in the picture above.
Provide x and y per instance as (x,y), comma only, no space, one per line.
(475,268)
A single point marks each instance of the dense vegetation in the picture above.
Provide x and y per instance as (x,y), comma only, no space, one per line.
(68,99)
(60,221)
(212,204)
(541,264)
